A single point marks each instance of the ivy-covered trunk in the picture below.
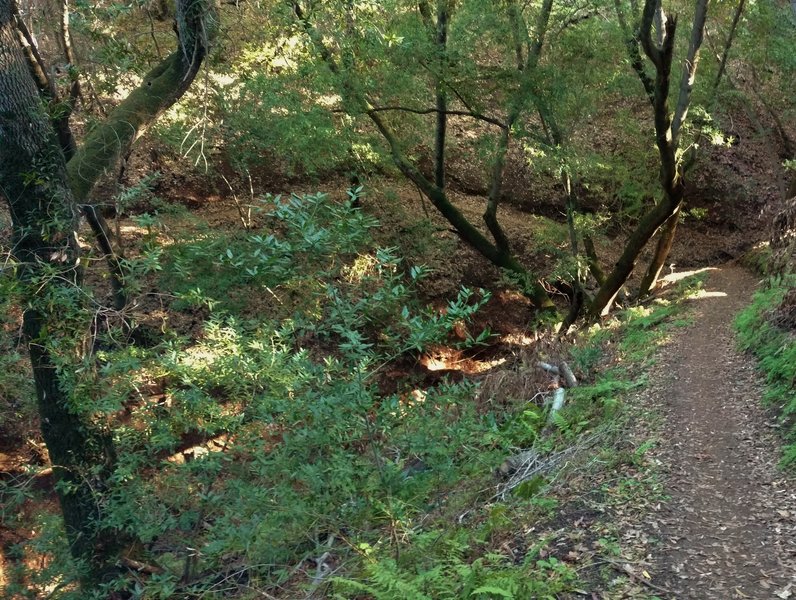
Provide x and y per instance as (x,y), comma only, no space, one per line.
(44,215)
(44,192)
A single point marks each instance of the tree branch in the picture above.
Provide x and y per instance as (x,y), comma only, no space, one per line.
(689,69)
(634,53)
(428,111)
(66,45)
(728,44)
(161,88)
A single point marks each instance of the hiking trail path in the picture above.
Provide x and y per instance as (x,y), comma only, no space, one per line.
(729,528)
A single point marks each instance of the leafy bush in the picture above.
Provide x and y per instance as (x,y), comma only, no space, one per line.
(266,442)
(775,348)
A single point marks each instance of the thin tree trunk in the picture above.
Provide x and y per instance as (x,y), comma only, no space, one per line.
(594,262)
(59,116)
(113,138)
(736,18)
(441,96)
(517,105)
(66,45)
(578,297)
(463,227)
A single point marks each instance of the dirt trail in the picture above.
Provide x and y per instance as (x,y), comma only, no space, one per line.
(729,530)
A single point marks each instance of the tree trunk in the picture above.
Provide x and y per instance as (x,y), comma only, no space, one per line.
(667,140)
(44,219)
(645,229)
(662,250)
(113,138)
(441,97)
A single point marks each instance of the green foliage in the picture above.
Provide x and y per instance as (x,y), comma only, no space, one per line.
(221,270)
(263,442)
(438,565)
(16,387)
(775,349)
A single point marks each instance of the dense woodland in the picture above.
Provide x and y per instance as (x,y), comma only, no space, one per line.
(277,278)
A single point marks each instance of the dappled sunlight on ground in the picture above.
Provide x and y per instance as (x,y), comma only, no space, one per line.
(452,359)
(698,295)
(675,277)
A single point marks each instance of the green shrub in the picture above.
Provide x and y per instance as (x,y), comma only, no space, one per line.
(775,349)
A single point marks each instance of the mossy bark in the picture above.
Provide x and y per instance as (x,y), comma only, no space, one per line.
(106,143)
(113,138)
(44,218)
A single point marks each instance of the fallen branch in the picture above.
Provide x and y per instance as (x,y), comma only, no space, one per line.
(548,367)
(559,397)
(141,567)
(568,375)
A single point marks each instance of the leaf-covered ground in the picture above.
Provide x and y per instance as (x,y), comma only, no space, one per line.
(728,526)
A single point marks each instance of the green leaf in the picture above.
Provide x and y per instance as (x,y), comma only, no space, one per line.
(492,591)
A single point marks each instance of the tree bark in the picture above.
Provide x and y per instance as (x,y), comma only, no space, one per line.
(662,249)
(112,139)
(44,220)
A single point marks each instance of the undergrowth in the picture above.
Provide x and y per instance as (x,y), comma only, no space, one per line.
(775,349)
(277,452)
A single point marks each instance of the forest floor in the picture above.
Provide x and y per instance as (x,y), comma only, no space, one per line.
(728,527)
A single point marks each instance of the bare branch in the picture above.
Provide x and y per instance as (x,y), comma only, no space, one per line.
(428,111)
(634,52)
(645,32)
(728,44)
(66,45)
(38,68)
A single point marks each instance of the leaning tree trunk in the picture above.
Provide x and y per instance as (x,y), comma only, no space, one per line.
(662,250)
(44,216)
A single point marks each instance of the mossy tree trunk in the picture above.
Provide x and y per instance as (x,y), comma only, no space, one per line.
(45,218)
(667,137)
(113,138)
(43,192)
